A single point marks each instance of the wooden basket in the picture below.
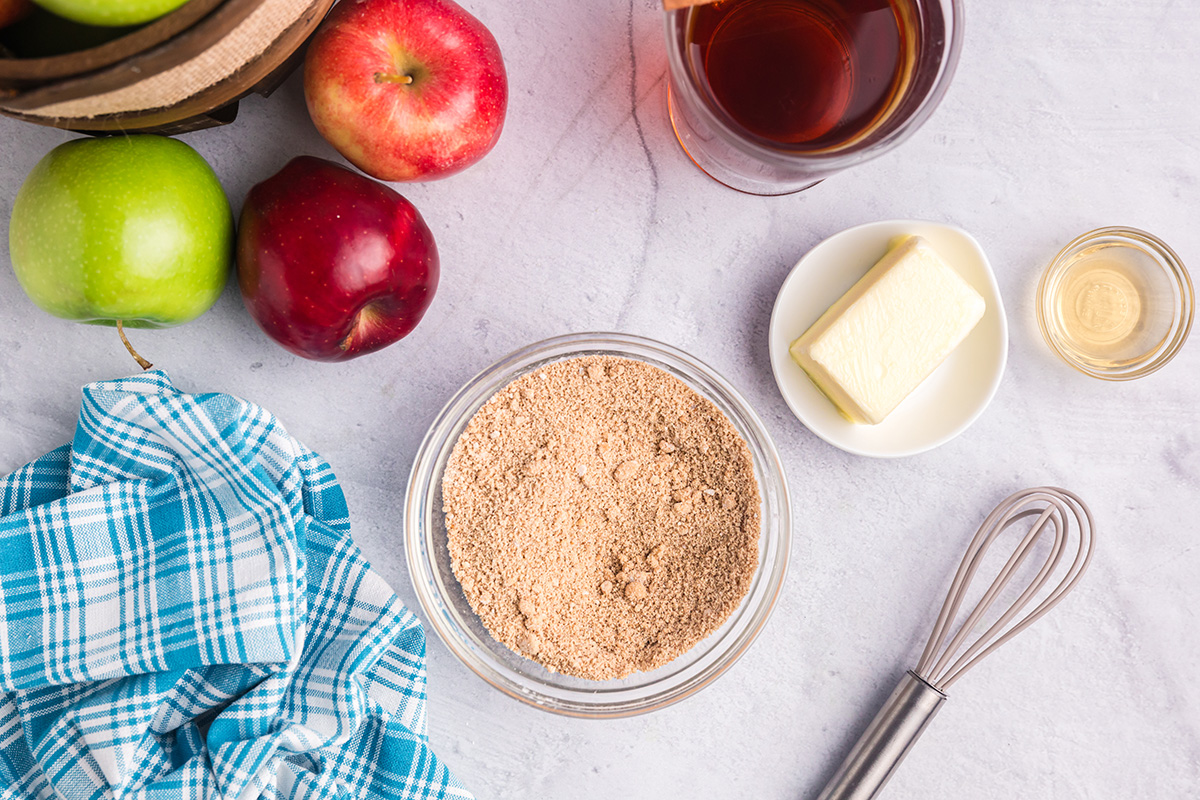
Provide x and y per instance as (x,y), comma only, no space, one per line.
(182,72)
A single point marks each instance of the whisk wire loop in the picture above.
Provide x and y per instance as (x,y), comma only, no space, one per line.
(1055,510)
(970,566)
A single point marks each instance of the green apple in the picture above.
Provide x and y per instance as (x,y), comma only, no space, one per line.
(110,12)
(132,229)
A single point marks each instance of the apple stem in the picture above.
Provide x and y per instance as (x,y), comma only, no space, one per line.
(384,77)
(143,363)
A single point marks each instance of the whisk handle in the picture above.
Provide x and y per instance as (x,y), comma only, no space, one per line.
(886,741)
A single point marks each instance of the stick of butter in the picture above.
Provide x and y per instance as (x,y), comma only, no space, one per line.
(893,328)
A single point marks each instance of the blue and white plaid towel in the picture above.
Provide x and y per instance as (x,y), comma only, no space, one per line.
(184,615)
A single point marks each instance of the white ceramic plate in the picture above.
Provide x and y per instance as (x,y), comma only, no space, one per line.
(944,405)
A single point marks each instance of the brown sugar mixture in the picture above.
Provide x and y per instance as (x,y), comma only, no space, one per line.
(602,516)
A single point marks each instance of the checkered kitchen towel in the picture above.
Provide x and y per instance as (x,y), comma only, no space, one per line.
(184,615)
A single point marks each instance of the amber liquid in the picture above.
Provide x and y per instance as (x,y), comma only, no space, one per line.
(1108,315)
(810,74)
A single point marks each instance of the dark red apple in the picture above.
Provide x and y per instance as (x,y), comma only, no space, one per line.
(406,90)
(331,264)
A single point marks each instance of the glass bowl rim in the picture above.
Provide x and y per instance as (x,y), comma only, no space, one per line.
(1173,268)
(747,620)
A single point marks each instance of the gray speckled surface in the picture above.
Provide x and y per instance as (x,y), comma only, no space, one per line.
(1063,117)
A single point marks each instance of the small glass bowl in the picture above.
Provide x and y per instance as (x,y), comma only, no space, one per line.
(1130,316)
(446,607)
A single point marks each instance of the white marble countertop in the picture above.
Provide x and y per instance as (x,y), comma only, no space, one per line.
(587,216)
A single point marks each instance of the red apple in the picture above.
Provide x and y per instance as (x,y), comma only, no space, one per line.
(333,265)
(406,90)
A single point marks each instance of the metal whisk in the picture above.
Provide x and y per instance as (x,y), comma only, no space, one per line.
(921,693)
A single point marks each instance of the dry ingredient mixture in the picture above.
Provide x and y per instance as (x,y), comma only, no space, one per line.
(602,516)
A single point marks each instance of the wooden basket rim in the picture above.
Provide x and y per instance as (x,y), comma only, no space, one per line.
(234,86)
(20,72)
